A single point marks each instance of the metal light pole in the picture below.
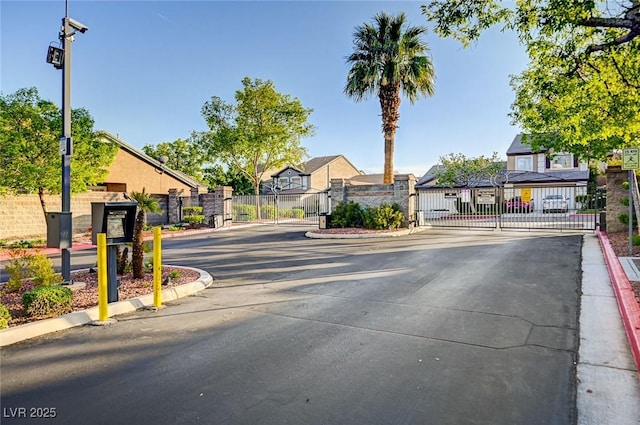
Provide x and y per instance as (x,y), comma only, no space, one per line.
(62,60)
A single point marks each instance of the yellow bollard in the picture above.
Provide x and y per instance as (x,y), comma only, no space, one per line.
(103,303)
(157,266)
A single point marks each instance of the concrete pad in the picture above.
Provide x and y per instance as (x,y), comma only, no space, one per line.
(602,338)
(607,396)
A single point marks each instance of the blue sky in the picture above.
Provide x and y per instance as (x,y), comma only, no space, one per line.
(144,69)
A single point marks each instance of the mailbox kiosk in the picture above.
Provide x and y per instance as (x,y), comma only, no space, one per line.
(116,220)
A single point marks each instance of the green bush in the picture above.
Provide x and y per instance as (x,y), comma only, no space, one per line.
(40,270)
(17,274)
(636,240)
(268,212)
(347,215)
(292,213)
(625,185)
(384,217)
(244,212)
(5,316)
(37,267)
(624,219)
(48,301)
(193,219)
(192,210)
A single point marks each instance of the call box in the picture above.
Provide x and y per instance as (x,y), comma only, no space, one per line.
(116,219)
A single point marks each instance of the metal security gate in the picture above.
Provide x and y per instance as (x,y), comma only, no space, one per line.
(282,209)
(568,208)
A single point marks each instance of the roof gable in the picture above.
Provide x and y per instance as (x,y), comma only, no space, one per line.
(183,178)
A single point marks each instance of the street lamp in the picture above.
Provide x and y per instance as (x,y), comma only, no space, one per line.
(61,59)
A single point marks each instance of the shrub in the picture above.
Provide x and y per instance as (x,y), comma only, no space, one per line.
(40,270)
(624,219)
(636,240)
(192,211)
(347,215)
(193,219)
(174,274)
(37,267)
(17,274)
(48,301)
(292,213)
(5,316)
(244,212)
(384,217)
(268,212)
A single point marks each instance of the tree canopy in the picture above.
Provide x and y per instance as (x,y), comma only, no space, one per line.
(389,59)
(216,175)
(580,91)
(30,159)
(459,170)
(262,130)
(182,155)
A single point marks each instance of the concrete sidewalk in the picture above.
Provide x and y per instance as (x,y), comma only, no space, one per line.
(608,390)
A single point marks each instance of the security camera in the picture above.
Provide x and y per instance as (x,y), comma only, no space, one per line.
(78,26)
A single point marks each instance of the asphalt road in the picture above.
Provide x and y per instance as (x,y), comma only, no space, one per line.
(435,328)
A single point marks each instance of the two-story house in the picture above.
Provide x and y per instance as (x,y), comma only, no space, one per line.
(543,173)
(530,175)
(312,176)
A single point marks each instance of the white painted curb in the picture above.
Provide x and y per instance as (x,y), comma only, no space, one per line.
(31,330)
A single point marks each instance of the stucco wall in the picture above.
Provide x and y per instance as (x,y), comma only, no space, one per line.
(136,174)
(340,168)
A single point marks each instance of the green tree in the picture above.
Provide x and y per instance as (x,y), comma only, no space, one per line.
(580,92)
(389,58)
(261,131)
(182,155)
(30,159)
(216,175)
(458,170)
(146,204)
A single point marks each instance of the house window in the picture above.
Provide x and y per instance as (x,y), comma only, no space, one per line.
(296,183)
(283,182)
(561,161)
(524,163)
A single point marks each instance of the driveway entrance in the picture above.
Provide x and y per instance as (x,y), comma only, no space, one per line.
(451,329)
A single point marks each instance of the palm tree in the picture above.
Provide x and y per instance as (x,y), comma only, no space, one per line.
(388,59)
(145,204)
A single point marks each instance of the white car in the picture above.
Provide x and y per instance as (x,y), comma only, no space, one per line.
(555,203)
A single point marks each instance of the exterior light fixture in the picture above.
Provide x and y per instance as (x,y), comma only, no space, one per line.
(55,56)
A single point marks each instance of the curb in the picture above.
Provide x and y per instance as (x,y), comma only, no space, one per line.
(403,232)
(627,303)
(31,330)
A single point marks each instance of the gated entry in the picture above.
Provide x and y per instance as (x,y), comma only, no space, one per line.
(283,209)
(532,208)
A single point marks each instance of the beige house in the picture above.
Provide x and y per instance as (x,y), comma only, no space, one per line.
(312,176)
(133,170)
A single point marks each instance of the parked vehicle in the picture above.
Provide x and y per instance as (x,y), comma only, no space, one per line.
(518,205)
(555,203)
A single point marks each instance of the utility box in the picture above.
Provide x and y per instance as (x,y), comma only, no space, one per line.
(324,220)
(59,234)
(116,219)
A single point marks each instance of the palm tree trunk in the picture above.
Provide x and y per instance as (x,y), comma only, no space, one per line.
(389,144)
(137,255)
(389,106)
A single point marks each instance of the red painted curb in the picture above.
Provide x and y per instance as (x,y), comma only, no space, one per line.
(627,303)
